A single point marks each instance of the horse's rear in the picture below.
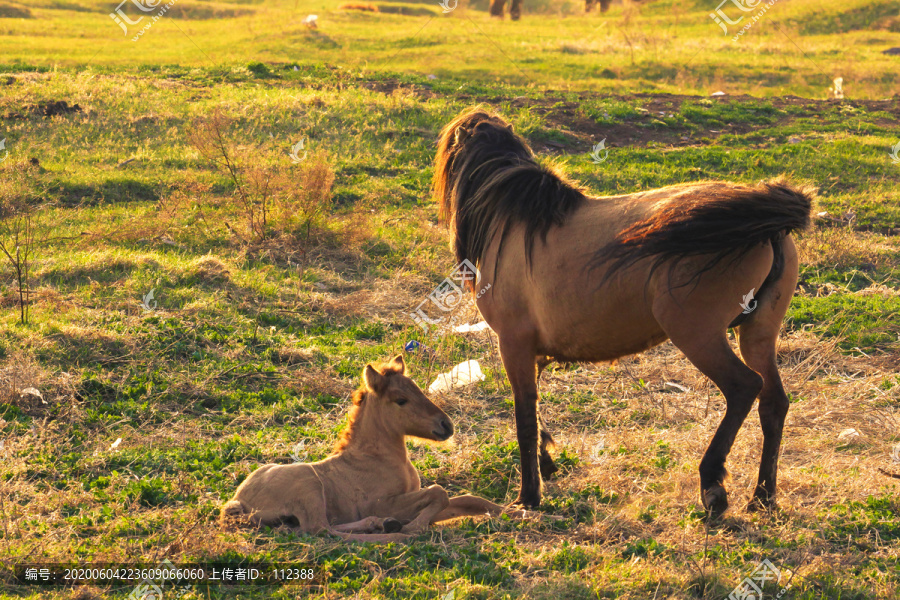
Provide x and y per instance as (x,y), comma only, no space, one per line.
(615,276)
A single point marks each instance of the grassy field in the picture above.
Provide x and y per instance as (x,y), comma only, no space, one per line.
(150,416)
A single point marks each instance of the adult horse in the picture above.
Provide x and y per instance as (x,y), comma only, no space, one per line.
(581,278)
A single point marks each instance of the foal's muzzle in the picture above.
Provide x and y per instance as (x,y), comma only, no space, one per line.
(444,429)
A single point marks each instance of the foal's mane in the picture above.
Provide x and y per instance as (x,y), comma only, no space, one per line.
(486,180)
(359,398)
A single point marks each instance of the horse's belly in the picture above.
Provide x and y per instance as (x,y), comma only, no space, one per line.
(600,330)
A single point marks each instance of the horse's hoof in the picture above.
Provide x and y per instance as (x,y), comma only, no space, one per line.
(391,525)
(715,501)
(514,16)
(527,502)
(759,503)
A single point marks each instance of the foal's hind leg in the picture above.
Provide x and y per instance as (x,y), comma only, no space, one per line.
(710,352)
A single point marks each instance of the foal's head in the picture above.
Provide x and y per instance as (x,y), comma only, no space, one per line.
(400,405)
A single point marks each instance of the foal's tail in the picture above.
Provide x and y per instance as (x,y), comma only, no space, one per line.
(715,219)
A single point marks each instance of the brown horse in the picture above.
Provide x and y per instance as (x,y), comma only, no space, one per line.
(368,490)
(581,278)
(515,7)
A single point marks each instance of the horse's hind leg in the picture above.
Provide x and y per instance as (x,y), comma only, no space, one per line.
(497,8)
(548,467)
(759,352)
(758,338)
(710,352)
(515,10)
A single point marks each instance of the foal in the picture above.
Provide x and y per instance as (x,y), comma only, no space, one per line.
(368,490)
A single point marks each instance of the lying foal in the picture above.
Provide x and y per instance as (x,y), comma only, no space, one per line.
(368,485)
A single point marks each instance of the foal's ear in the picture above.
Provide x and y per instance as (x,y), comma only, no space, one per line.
(375,381)
(462,132)
(399,364)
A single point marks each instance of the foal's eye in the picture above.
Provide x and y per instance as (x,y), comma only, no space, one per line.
(402,401)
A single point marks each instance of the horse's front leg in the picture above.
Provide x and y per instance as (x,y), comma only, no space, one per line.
(519,361)
(497,8)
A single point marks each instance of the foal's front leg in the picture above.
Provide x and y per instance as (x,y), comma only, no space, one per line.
(474,506)
(370,525)
(519,361)
(417,509)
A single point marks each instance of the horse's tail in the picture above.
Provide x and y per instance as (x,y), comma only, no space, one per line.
(486,179)
(715,220)
(232,509)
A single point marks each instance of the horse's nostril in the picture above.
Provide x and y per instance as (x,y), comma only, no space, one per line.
(448,426)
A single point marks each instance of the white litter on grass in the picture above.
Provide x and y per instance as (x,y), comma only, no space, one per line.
(838,88)
(717,94)
(311,21)
(115,444)
(34,393)
(467,328)
(676,386)
(462,374)
(848,434)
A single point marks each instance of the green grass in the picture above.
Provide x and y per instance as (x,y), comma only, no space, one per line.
(246,354)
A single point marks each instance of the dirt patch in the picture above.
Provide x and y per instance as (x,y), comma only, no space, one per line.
(567,116)
(45,109)
(389,86)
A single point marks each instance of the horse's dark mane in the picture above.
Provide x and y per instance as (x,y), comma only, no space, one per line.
(486,180)
(359,397)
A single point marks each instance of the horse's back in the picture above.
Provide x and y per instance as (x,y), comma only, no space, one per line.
(565,302)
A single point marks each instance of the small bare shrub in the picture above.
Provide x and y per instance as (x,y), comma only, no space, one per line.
(842,248)
(21,232)
(280,205)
